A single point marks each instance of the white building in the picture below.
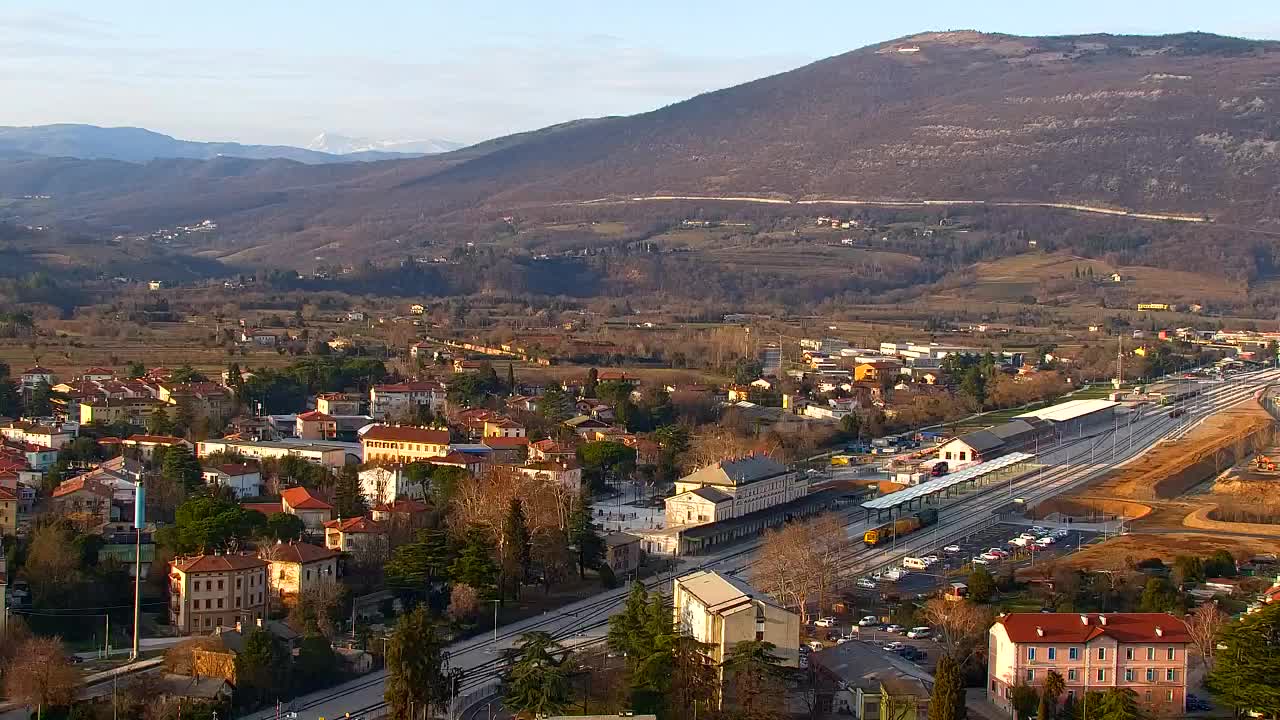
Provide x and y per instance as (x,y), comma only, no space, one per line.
(389,401)
(244,480)
(752,483)
(387,484)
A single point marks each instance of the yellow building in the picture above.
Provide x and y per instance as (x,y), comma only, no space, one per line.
(403,443)
(876,370)
(8,511)
(134,411)
(211,591)
(295,568)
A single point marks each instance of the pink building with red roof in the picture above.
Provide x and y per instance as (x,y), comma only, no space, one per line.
(1144,652)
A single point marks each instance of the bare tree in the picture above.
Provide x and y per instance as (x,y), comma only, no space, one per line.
(464,602)
(784,567)
(830,542)
(1203,625)
(40,676)
(957,626)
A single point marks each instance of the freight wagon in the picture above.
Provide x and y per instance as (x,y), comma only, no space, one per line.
(897,528)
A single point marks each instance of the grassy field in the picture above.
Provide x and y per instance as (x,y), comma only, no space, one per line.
(1020,275)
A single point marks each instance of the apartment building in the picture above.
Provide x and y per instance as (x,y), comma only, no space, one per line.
(403,443)
(339,403)
(1144,652)
(390,401)
(722,611)
(211,591)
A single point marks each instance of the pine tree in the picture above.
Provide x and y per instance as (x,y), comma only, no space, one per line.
(511,379)
(947,702)
(537,684)
(1247,663)
(348,500)
(554,404)
(518,543)
(181,468)
(592,385)
(625,627)
(416,681)
(474,565)
(583,535)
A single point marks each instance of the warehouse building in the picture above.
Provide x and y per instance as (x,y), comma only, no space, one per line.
(1024,434)
(1076,417)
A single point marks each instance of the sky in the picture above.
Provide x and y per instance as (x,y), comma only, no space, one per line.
(282,72)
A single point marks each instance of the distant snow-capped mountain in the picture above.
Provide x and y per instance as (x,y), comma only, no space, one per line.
(343,145)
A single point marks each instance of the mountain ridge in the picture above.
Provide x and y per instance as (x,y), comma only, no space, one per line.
(1176,124)
(134,144)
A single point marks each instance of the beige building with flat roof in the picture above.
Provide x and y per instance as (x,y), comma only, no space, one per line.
(723,611)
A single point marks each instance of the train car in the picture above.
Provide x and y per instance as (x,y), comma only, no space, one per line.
(897,528)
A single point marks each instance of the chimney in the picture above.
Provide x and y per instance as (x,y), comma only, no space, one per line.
(1084,619)
(1159,631)
(1039,631)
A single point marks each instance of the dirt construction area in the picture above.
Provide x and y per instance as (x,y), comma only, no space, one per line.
(1176,496)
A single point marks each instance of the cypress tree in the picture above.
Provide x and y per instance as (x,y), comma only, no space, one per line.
(947,702)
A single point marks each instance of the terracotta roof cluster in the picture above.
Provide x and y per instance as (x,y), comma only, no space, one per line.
(267,508)
(300,498)
(314,416)
(234,469)
(411,387)
(218,563)
(1083,627)
(407,433)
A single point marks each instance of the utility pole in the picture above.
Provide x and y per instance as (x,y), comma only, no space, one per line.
(139,521)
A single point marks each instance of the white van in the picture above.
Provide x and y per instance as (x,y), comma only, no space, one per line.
(915,563)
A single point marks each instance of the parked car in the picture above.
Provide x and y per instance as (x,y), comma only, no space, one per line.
(1061,533)
(868,621)
(998,551)
(847,637)
(894,628)
(1019,541)
(990,556)
(897,573)
(931,559)
(866,583)
(815,645)
(894,646)
(979,560)
(825,622)
(919,632)
(1046,541)
(951,549)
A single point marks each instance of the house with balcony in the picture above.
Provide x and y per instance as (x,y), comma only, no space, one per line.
(212,591)
(1143,652)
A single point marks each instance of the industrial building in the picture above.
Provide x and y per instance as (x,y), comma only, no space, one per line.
(996,441)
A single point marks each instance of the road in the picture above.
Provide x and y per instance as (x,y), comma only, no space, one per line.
(1071,462)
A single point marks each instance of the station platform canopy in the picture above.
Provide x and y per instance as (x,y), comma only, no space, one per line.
(937,485)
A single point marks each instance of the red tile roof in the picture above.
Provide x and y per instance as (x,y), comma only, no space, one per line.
(296,553)
(505,442)
(356,525)
(1082,627)
(218,563)
(234,470)
(7,494)
(266,508)
(407,433)
(155,439)
(403,505)
(300,498)
(82,482)
(454,458)
(98,371)
(410,387)
(314,416)
(37,370)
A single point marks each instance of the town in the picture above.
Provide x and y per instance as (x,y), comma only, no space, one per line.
(915,528)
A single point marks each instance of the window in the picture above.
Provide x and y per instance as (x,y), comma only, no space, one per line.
(1071,693)
(237,601)
(1128,653)
(1169,696)
(993,686)
(308,575)
(1171,652)
(1031,653)
(1102,653)
(1073,653)
(1170,675)
(1053,653)
(1071,675)
(1147,696)
(1151,674)
(238,582)
(1128,674)
(1102,675)
(208,622)
(1151,653)
(1031,675)
(219,584)
(219,603)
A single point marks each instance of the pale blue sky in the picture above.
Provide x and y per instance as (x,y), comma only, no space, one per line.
(272,71)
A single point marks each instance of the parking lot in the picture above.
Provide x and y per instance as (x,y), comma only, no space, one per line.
(955,565)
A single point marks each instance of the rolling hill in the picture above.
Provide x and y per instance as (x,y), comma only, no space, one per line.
(1186,124)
